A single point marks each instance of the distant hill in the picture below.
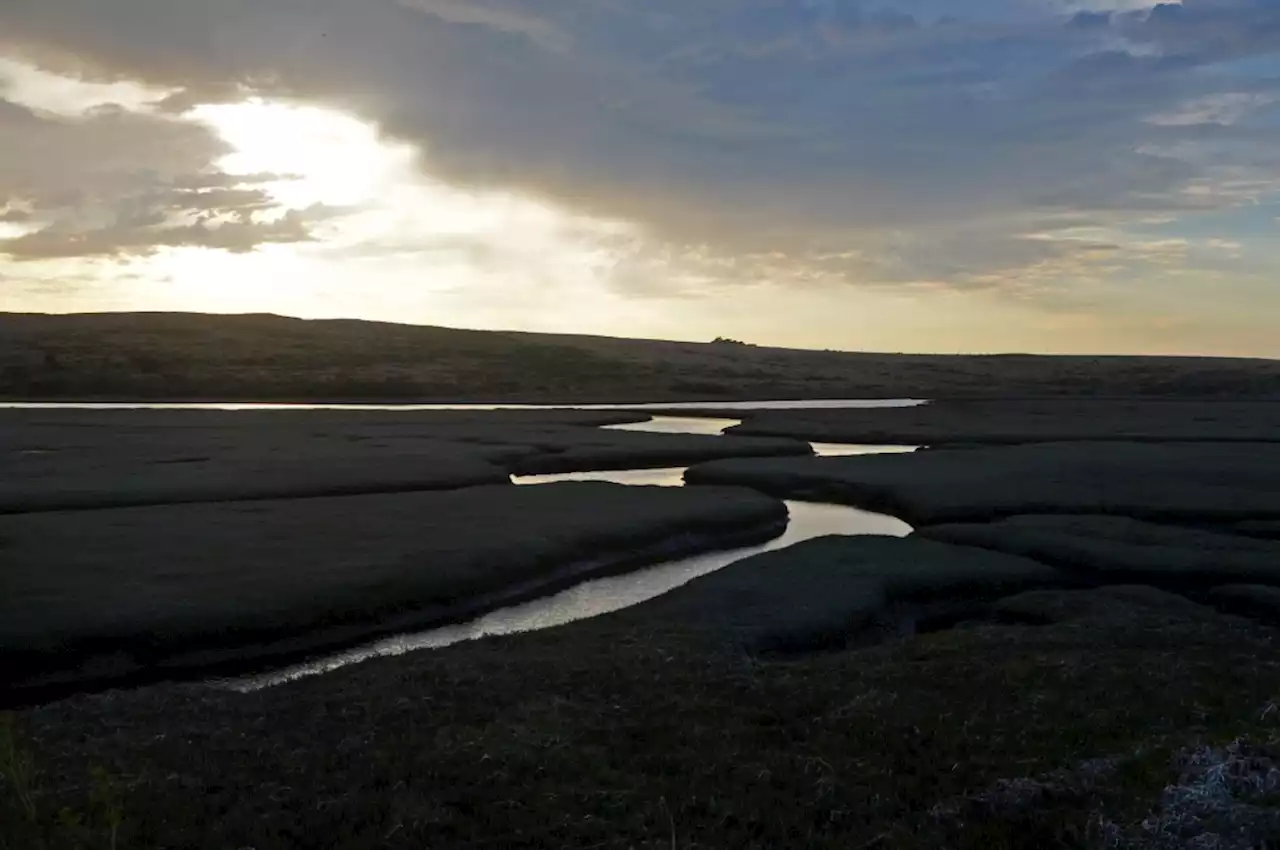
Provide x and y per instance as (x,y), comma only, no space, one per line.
(185,356)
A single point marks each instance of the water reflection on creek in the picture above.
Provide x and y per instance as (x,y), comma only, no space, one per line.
(601,596)
(673,477)
(598,596)
(708,425)
(678,425)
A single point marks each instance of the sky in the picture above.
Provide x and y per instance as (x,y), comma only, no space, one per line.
(1086,176)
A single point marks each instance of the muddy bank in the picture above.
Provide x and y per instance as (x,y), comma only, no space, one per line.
(131,593)
(56,481)
(1120,550)
(1027,421)
(647,451)
(1185,482)
(94,459)
(824,593)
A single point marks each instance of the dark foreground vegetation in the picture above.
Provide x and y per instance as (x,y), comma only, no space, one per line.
(1127,718)
(269,358)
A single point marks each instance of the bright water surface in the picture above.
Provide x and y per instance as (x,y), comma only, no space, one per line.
(811,404)
(707,425)
(678,425)
(851,449)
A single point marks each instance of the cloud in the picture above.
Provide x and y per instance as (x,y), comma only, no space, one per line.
(1207,30)
(13,214)
(56,161)
(30,86)
(754,128)
(114,182)
(143,235)
(506,20)
(1223,108)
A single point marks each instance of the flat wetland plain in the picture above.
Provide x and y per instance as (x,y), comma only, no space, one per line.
(1077,646)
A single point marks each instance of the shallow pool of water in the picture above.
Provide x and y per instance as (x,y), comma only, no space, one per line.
(717,427)
(678,425)
(672,477)
(853,449)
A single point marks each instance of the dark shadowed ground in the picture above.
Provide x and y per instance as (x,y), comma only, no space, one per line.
(1120,549)
(269,358)
(996,421)
(994,681)
(834,591)
(1187,482)
(130,593)
(64,459)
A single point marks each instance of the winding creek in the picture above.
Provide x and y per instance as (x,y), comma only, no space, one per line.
(595,597)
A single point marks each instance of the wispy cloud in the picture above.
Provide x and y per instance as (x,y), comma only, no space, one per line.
(505,19)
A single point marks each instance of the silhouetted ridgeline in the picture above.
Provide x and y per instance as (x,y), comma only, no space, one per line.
(181,356)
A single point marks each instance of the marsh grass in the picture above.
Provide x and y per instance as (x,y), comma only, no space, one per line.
(608,733)
(28,822)
(289,577)
(17,770)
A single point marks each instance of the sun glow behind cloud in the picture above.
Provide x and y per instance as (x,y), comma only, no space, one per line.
(388,240)
(48,92)
(377,235)
(13,231)
(328,157)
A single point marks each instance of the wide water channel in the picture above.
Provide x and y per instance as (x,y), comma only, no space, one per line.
(805,404)
(600,596)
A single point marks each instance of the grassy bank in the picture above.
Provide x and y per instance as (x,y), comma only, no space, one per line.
(76,459)
(1196,483)
(996,422)
(135,593)
(832,592)
(1118,550)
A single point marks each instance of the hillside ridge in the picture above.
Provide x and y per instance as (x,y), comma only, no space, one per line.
(264,357)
